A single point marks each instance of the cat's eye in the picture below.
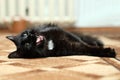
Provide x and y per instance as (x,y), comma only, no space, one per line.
(25,35)
(27,44)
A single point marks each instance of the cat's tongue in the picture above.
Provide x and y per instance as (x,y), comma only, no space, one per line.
(39,39)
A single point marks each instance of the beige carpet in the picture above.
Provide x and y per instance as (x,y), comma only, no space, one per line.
(58,68)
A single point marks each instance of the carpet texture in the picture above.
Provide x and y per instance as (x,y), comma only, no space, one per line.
(58,68)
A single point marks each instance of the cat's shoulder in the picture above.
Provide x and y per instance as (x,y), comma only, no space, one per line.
(45,26)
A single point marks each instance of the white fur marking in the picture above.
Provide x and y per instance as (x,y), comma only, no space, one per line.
(50,45)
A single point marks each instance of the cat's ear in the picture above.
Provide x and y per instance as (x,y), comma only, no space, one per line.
(14,54)
(12,38)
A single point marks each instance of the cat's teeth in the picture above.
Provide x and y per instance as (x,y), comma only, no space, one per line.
(41,37)
(38,40)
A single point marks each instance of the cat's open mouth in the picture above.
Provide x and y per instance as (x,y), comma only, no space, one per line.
(39,40)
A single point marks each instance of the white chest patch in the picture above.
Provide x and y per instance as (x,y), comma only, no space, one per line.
(50,45)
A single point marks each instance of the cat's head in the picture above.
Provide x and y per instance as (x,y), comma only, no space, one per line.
(28,41)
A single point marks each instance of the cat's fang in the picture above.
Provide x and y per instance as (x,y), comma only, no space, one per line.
(39,39)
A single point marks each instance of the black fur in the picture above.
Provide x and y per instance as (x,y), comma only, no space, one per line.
(65,43)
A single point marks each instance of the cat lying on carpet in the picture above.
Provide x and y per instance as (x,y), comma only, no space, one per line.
(49,40)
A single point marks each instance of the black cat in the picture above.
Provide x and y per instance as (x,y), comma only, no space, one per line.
(50,40)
